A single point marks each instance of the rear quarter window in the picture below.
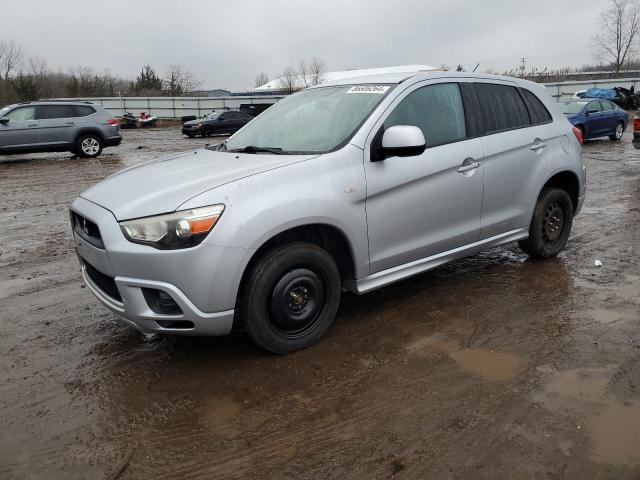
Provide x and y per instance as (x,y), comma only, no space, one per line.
(501,107)
(538,112)
(84,110)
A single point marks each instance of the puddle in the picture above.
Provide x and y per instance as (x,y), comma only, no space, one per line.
(495,366)
(488,364)
(616,434)
(607,316)
(565,389)
(219,411)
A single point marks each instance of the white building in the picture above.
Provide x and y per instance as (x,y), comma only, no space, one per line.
(276,85)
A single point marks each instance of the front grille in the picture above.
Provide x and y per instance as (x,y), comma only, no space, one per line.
(86,229)
(102,281)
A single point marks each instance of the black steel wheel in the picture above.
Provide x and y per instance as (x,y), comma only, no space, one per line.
(291,297)
(550,225)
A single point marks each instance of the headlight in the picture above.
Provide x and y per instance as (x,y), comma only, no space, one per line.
(199,125)
(173,230)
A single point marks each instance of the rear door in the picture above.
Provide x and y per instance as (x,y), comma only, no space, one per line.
(516,157)
(21,130)
(610,117)
(57,124)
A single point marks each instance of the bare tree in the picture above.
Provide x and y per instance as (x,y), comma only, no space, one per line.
(180,81)
(288,81)
(261,79)
(617,41)
(317,70)
(10,58)
(303,74)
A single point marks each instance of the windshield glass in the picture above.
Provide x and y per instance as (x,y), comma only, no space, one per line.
(212,115)
(317,120)
(3,110)
(573,107)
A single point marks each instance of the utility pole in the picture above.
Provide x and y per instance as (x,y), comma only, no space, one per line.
(523,66)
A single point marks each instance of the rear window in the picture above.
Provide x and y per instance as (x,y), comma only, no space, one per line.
(538,112)
(55,111)
(501,108)
(84,111)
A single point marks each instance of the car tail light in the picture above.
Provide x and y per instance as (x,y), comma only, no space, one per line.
(636,123)
(578,133)
(112,121)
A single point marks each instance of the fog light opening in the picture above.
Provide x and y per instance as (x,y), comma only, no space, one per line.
(161,302)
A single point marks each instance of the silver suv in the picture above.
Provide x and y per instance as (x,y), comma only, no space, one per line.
(348,186)
(82,128)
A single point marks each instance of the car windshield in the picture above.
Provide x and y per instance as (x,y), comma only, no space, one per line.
(317,120)
(3,110)
(212,115)
(573,107)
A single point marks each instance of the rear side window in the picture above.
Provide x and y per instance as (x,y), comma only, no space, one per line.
(436,109)
(538,112)
(83,110)
(46,112)
(501,108)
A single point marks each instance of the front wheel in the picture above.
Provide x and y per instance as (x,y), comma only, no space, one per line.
(550,225)
(618,133)
(88,146)
(291,297)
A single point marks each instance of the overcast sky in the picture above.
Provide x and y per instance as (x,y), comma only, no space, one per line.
(226,43)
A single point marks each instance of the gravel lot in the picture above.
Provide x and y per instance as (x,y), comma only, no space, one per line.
(494,367)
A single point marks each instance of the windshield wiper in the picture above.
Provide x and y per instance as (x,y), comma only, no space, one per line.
(254,149)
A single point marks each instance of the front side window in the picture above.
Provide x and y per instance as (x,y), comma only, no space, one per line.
(501,108)
(317,120)
(594,107)
(22,114)
(436,109)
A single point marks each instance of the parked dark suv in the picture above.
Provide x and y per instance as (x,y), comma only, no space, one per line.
(216,123)
(82,128)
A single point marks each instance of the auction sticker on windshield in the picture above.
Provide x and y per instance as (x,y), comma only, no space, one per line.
(380,89)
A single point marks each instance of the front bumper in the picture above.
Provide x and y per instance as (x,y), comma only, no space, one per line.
(191,130)
(203,281)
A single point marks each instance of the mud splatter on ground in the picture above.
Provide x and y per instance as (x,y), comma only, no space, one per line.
(493,367)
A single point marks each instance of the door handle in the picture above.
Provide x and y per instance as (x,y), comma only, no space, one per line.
(537,145)
(70,123)
(31,125)
(469,166)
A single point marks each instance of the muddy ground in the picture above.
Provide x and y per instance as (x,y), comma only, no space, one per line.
(494,367)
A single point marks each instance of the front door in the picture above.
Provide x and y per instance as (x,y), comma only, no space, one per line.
(21,129)
(430,203)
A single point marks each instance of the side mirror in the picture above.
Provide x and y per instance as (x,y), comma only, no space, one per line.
(402,141)
(4,120)
(588,112)
(220,119)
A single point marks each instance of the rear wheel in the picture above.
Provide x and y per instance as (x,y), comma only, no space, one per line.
(88,146)
(550,225)
(291,297)
(618,133)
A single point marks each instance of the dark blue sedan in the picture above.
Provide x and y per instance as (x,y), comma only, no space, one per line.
(596,118)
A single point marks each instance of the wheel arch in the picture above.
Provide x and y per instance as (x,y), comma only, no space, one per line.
(86,130)
(328,237)
(567,181)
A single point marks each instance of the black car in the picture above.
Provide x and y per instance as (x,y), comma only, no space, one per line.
(216,123)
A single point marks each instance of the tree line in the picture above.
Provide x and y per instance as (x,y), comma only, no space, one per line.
(29,78)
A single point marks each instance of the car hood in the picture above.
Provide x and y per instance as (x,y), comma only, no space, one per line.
(192,122)
(162,185)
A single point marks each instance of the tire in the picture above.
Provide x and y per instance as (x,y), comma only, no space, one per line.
(291,297)
(550,225)
(88,145)
(619,132)
(206,132)
(581,128)
(190,135)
